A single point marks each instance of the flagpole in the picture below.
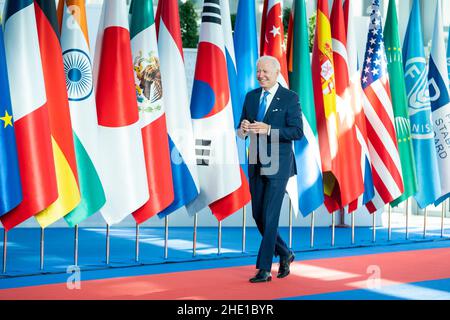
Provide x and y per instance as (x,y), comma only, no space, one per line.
(5,242)
(194,242)
(407,218)
(166,237)
(353,228)
(76,246)
(342,223)
(42,249)
(374,230)
(389,223)
(442,218)
(425,213)
(290,224)
(137,243)
(332,228)
(107,243)
(219,243)
(243,228)
(311,241)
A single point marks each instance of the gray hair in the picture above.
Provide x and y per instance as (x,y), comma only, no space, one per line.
(273,60)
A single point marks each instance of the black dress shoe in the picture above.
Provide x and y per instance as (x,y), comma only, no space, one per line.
(284,270)
(261,276)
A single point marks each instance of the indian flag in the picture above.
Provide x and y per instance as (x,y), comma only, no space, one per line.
(79,84)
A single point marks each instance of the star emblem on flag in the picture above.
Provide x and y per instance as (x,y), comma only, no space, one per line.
(7,119)
(275,31)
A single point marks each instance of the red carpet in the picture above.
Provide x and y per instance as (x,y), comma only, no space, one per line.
(307,278)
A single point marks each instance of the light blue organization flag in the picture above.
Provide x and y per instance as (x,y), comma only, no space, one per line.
(440,104)
(246,53)
(10,185)
(416,82)
(448,55)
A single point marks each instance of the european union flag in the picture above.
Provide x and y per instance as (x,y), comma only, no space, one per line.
(10,187)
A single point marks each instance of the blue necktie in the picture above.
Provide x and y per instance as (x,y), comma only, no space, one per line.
(262,107)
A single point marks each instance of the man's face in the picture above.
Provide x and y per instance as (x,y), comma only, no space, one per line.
(266,74)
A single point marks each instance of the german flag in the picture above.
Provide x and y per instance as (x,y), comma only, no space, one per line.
(59,115)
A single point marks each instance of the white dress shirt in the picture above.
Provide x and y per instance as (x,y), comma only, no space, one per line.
(269,99)
(270,96)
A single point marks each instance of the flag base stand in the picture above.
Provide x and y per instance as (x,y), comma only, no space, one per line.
(343,225)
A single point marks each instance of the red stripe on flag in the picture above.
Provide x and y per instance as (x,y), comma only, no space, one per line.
(384,155)
(36,165)
(262,42)
(346,13)
(318,58)
(377,105)
(386,85)
(168,12)
(159,171)
(381,187)
(55,87)
(332,202)
(371,207)
(353,206)
(228,205)
(114,75)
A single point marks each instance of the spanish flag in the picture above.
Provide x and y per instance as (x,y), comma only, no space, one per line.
(325,96)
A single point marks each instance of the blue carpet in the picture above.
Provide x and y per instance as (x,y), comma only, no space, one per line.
(24,245)
(425,290)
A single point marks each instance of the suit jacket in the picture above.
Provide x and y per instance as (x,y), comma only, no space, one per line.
(284,115)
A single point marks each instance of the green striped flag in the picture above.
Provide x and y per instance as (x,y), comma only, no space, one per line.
(83,112)
(400,104)
(307,154)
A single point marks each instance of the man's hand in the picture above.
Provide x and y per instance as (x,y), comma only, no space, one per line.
(244,129)
(259,127)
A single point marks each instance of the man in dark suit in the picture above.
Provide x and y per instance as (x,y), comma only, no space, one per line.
(271,116)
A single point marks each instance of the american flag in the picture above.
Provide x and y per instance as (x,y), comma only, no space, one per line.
(357,105)
(383,149)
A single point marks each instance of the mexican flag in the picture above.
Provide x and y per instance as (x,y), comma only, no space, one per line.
(152,116)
